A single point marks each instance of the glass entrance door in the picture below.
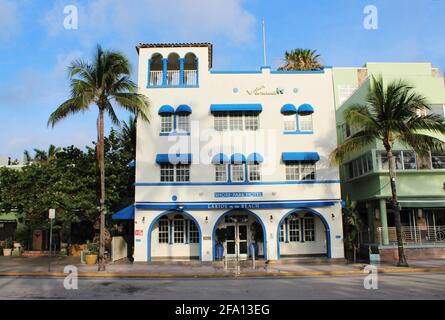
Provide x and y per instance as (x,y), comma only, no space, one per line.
(236,242)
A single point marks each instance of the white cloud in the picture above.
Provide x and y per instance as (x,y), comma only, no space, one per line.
(9,20)
(180,20)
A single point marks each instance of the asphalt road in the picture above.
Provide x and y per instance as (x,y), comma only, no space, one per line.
(400,286)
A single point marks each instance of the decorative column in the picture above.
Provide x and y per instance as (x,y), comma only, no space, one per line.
(149,73)
(164,74)
(171,231)
(384,222)
(286,231)
(181,71)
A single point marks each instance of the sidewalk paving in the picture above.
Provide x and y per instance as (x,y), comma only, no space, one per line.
(38,266)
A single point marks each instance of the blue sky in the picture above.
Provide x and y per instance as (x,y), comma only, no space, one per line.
(36,48)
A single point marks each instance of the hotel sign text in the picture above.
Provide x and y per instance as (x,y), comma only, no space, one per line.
(262,91)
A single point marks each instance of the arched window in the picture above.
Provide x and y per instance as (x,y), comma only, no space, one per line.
(305,112)
(173,68)
(190,69)
(156,70)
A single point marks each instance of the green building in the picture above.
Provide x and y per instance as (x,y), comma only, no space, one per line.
(420,182)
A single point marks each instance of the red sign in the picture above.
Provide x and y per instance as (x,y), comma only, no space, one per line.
(138,232)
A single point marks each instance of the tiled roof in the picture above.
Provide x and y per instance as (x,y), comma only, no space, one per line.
(178,45)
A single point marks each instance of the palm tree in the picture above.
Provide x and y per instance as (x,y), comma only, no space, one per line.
(27,158)
(392,114)
(301,59)
(44,156)
(127,135)
(104,82)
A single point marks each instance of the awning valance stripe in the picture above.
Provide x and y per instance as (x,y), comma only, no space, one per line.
(216,108)
(300,156)
(185,158)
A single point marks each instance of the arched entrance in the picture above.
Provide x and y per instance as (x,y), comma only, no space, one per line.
(236,229)
(173,235)
(303,232)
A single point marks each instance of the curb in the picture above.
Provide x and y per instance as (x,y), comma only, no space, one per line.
(226,275)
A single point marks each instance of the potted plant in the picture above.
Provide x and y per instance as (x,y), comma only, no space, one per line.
(257,236)
(221,237)
(7,250)
(93,251)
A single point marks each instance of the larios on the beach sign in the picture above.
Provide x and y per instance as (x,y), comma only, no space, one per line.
(262,91)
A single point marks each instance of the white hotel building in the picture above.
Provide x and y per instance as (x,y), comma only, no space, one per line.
(232,158)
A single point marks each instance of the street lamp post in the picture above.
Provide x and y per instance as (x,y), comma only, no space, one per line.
(51,216)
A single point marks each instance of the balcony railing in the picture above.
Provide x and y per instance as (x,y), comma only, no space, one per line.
(414,235)
(156,78)
(190,77)
(174,78)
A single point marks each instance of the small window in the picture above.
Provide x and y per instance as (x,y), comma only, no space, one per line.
(282,232)
(237,172)
(296,171)
(251,122)
(409,160)
(163,231)
(166,123)
(437,109)
(438,161)
(183,123)
(182,172)
(236,121)
(220,173)
(294,230)
(193,232)
(167,172)
(254,172)
(345,91)
(290,123)
(309,229)
(221,122)
(305,123)
(178,231)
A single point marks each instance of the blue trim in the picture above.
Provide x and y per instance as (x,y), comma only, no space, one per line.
(181,71)
(234,72)
(167,134)
(220,158)
(297,72)
(175,86)
(298,132)
(166,109)
(132,164)
(197,72)
(255,158)
(305,109)
(164,71)
(316,213)
(265,67)
(286,229)
(153,184)
(183,109)
(258,218)
(234,205)
(246,174)
(255,107)
(149,72)
(300,156)
(237,158)
(288,109)
(150,230)
(185,158)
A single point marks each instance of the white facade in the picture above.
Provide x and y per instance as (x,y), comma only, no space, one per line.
(270,199)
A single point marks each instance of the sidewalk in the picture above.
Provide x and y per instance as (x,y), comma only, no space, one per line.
(38,266)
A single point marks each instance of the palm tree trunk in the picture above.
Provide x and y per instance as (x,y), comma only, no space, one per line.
(101,163)
(395,205)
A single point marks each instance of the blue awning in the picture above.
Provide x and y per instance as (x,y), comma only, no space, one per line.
(125,214)
(220,158)
(185,158)
(288,109)
(132,164)
(300,156)
(166,110)
(183,109)
(255,158)
(235,108)
(305,109)
(237,158)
